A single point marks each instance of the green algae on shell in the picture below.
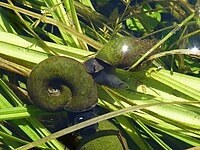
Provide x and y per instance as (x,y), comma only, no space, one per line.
(123,52)
(59,83)
(108,137)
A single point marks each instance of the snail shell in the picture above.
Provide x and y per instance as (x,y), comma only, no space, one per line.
(123,52)
(59,83)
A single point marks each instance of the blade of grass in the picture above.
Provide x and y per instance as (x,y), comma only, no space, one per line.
(174,114)
(13,67)
(20,112)
(8,139)
(93,121)
(160,125)
(74,16)
(138,121)
(163,40)
(82,37)
(27,126)
(172,82)
(4,23)
(57,10)
(40,41)
(181,136)
(189,52)
(26,50)
(129,127)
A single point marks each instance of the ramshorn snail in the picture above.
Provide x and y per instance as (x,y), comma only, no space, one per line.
(121,52)
(59,83)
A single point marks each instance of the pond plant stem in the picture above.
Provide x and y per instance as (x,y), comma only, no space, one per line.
(178,26)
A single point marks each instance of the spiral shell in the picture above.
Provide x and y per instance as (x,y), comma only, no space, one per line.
(59,83)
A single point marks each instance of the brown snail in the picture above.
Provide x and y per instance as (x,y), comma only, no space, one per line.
(121,52)
(59,83)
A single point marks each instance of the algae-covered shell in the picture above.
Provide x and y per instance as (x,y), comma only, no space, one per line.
(123,52)
(59,83)
(108,137)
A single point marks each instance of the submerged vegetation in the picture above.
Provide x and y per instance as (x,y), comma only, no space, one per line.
(160,109)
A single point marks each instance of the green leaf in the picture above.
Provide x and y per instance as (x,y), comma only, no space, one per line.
(31,126)
(144,21)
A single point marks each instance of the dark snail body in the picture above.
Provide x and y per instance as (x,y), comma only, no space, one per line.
(62,83)
(79,117)
(103,73)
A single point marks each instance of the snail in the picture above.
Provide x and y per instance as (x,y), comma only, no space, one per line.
(59,83)
(63,83)
(107,136)
(122,53)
